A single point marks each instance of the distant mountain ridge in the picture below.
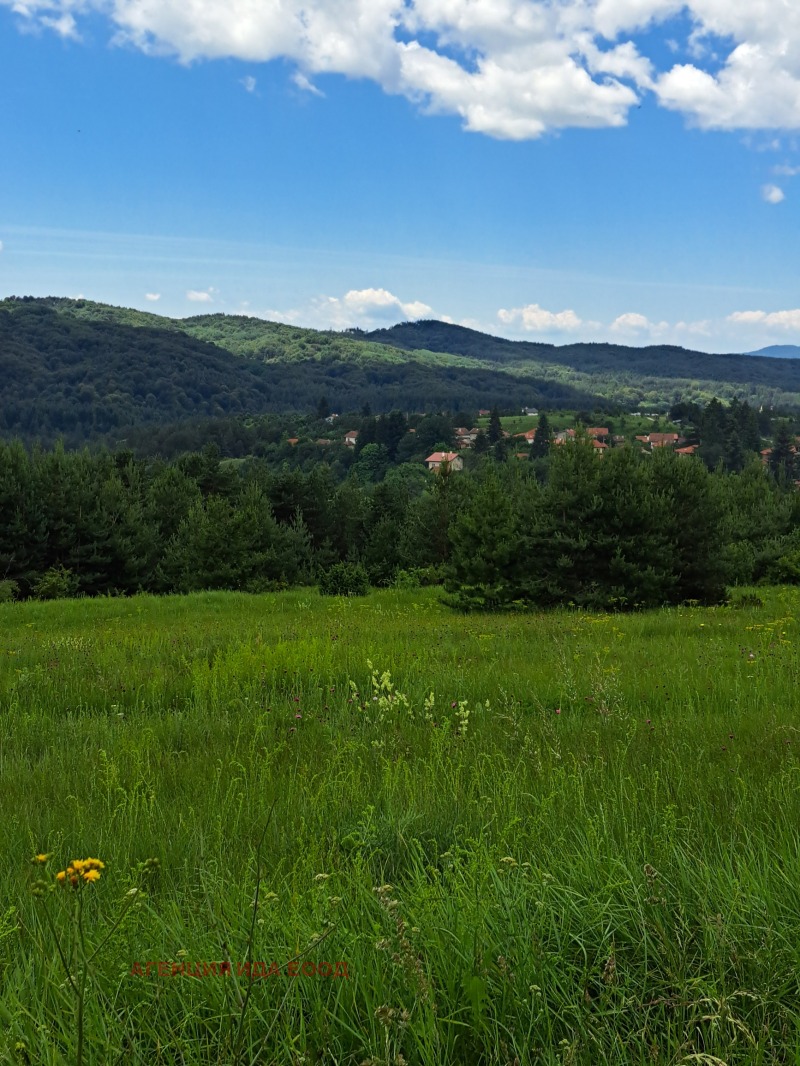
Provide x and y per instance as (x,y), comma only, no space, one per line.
(779,351)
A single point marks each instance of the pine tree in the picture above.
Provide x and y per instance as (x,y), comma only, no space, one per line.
(495,432)
(542,439)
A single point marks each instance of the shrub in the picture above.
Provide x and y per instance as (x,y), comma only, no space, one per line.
(9,590)
(344,579)
(57,583)
(745,601)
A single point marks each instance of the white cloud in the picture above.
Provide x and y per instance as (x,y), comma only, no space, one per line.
(249,83)
(772,194)
(305,84)
(152,296)
(536,319)
(1,246)
(200,296)
(365,308)
(509,68)
(781,321)
(64,25)
(382,303)
(635,325)
(786,171)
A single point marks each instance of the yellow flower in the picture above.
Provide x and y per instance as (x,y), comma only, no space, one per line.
(94,864)
(42,858)
(91,875)
(61,876)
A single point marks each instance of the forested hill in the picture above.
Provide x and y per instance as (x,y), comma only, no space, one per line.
(657,361)
(87,372)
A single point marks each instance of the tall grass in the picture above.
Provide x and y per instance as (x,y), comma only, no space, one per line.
(582,849)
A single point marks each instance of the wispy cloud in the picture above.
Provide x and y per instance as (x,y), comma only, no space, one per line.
(153,297)
(200,296)
(249,83)
(304,83)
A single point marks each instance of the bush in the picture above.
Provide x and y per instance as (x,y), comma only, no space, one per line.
(57,583)
(9,590)
(746,601)
(344,579)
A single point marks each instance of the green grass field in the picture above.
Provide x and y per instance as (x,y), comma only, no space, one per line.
(530,839)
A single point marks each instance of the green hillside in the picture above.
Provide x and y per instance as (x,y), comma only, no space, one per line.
(88,372)
(658,373)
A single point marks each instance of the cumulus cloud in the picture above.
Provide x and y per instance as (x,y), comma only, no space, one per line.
(382,303)
(772,194)
(634,324)
(152,296)
(200,296)
(365,308)
(536,319)
(781,321)
(509,68)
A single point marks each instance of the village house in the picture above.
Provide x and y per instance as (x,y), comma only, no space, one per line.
(452,460)
(564,436)
(660,440)
(293,441)
(532,411)
(663,440)
(351,438)
(528,435)
(597,432)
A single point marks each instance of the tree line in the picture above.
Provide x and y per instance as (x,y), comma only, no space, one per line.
(626,530)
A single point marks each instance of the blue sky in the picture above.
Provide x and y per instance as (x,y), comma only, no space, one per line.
(621,169)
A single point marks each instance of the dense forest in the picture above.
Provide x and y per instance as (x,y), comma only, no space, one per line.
(630,529)
(90,373)
(86,378)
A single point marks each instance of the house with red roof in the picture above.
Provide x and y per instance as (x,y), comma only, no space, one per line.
(451,460)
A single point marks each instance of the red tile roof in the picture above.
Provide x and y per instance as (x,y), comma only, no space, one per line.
(442,457)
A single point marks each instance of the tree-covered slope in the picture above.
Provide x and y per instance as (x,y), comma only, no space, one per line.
(60,375)
(637,367)
(87,372)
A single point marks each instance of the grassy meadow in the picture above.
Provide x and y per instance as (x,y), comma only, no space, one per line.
(530,838)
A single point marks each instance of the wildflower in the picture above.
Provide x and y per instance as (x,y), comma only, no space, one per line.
(298,715)
(61,876)
(558,710)
(91,875)
(42,858)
